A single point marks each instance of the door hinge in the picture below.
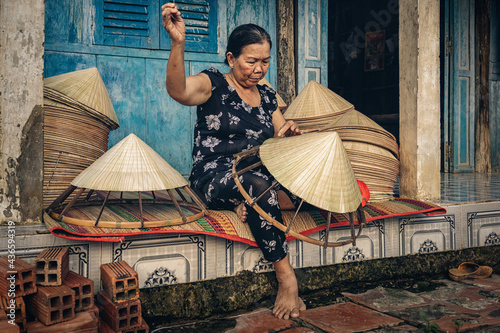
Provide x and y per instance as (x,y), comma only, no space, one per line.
(448,153)
(449,46)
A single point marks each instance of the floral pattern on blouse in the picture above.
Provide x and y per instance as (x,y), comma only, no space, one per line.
(227,125)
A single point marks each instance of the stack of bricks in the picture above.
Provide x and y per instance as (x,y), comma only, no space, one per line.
(119,300)
(17,280)
(64,301)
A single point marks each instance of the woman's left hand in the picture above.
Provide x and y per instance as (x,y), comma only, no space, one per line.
(289,128)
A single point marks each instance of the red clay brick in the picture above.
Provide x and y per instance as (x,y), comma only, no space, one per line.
(84,322)
(84,290)
(94,309)
(105,328)
(120,316)
(52,305)
(16,310)
(144,328)
(52,266)
(17,277)
(6,327)
(119,281)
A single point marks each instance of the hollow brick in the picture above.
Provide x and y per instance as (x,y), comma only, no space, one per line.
(52,305)
(119,281)
(17,277)
(52,266)
(84,290)
(120,316)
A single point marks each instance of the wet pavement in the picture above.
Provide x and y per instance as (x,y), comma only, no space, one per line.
(392,306)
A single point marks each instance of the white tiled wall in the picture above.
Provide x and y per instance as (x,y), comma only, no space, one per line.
(179,258)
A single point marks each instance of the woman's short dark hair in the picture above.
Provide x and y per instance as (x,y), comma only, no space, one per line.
(244,35)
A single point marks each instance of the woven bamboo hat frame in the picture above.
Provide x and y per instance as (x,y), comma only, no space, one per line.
(315,102)
(131,166)
(281,102)
(315,167)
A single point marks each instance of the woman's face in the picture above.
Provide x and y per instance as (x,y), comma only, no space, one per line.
(252,64)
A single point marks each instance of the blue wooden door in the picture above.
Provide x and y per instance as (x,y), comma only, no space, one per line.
(125,40)
(459,90)
(312,37)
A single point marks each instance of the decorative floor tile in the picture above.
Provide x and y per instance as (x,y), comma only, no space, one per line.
(347,317)
(474,305)
(261,320)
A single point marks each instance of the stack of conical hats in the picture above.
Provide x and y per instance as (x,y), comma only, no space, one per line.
(316,168)
(281,102)
(372,150)
(78,116)
(316,107)
(129,166)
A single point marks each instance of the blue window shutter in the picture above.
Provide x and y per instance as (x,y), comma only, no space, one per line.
(200,18)
(130,23)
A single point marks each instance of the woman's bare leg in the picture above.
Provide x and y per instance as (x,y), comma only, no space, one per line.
(288,304)
(284,201)
(241,211)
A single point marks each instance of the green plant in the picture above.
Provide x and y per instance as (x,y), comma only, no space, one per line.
(428,327)
(459,323)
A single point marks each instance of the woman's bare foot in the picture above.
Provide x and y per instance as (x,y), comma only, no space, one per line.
(288,304)
(241,211)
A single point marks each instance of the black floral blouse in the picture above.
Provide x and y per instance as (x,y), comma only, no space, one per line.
(227,125)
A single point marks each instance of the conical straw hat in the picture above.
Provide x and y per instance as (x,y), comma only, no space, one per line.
(85,86)
(131,165)
(355,118)
(316,100)
(316,168)
(281,102)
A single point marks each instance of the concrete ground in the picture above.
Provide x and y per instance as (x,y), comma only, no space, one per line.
(440,305)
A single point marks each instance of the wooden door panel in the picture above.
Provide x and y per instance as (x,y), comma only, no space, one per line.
(462,100)
(312,40)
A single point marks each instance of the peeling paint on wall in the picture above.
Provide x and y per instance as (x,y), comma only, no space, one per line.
(21,99)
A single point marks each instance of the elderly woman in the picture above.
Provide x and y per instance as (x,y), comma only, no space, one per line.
(234,114)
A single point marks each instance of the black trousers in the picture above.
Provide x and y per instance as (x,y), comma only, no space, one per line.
(222,193)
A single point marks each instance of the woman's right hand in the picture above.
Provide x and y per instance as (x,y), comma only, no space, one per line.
(173,23)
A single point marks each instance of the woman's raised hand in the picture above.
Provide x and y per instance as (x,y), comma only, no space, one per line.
(173,22)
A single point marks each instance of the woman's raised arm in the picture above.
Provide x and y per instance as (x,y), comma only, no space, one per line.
(191,90)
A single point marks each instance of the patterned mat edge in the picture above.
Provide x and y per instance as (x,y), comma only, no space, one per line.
(58,230)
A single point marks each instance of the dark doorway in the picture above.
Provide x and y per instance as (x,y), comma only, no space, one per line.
(363,63)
